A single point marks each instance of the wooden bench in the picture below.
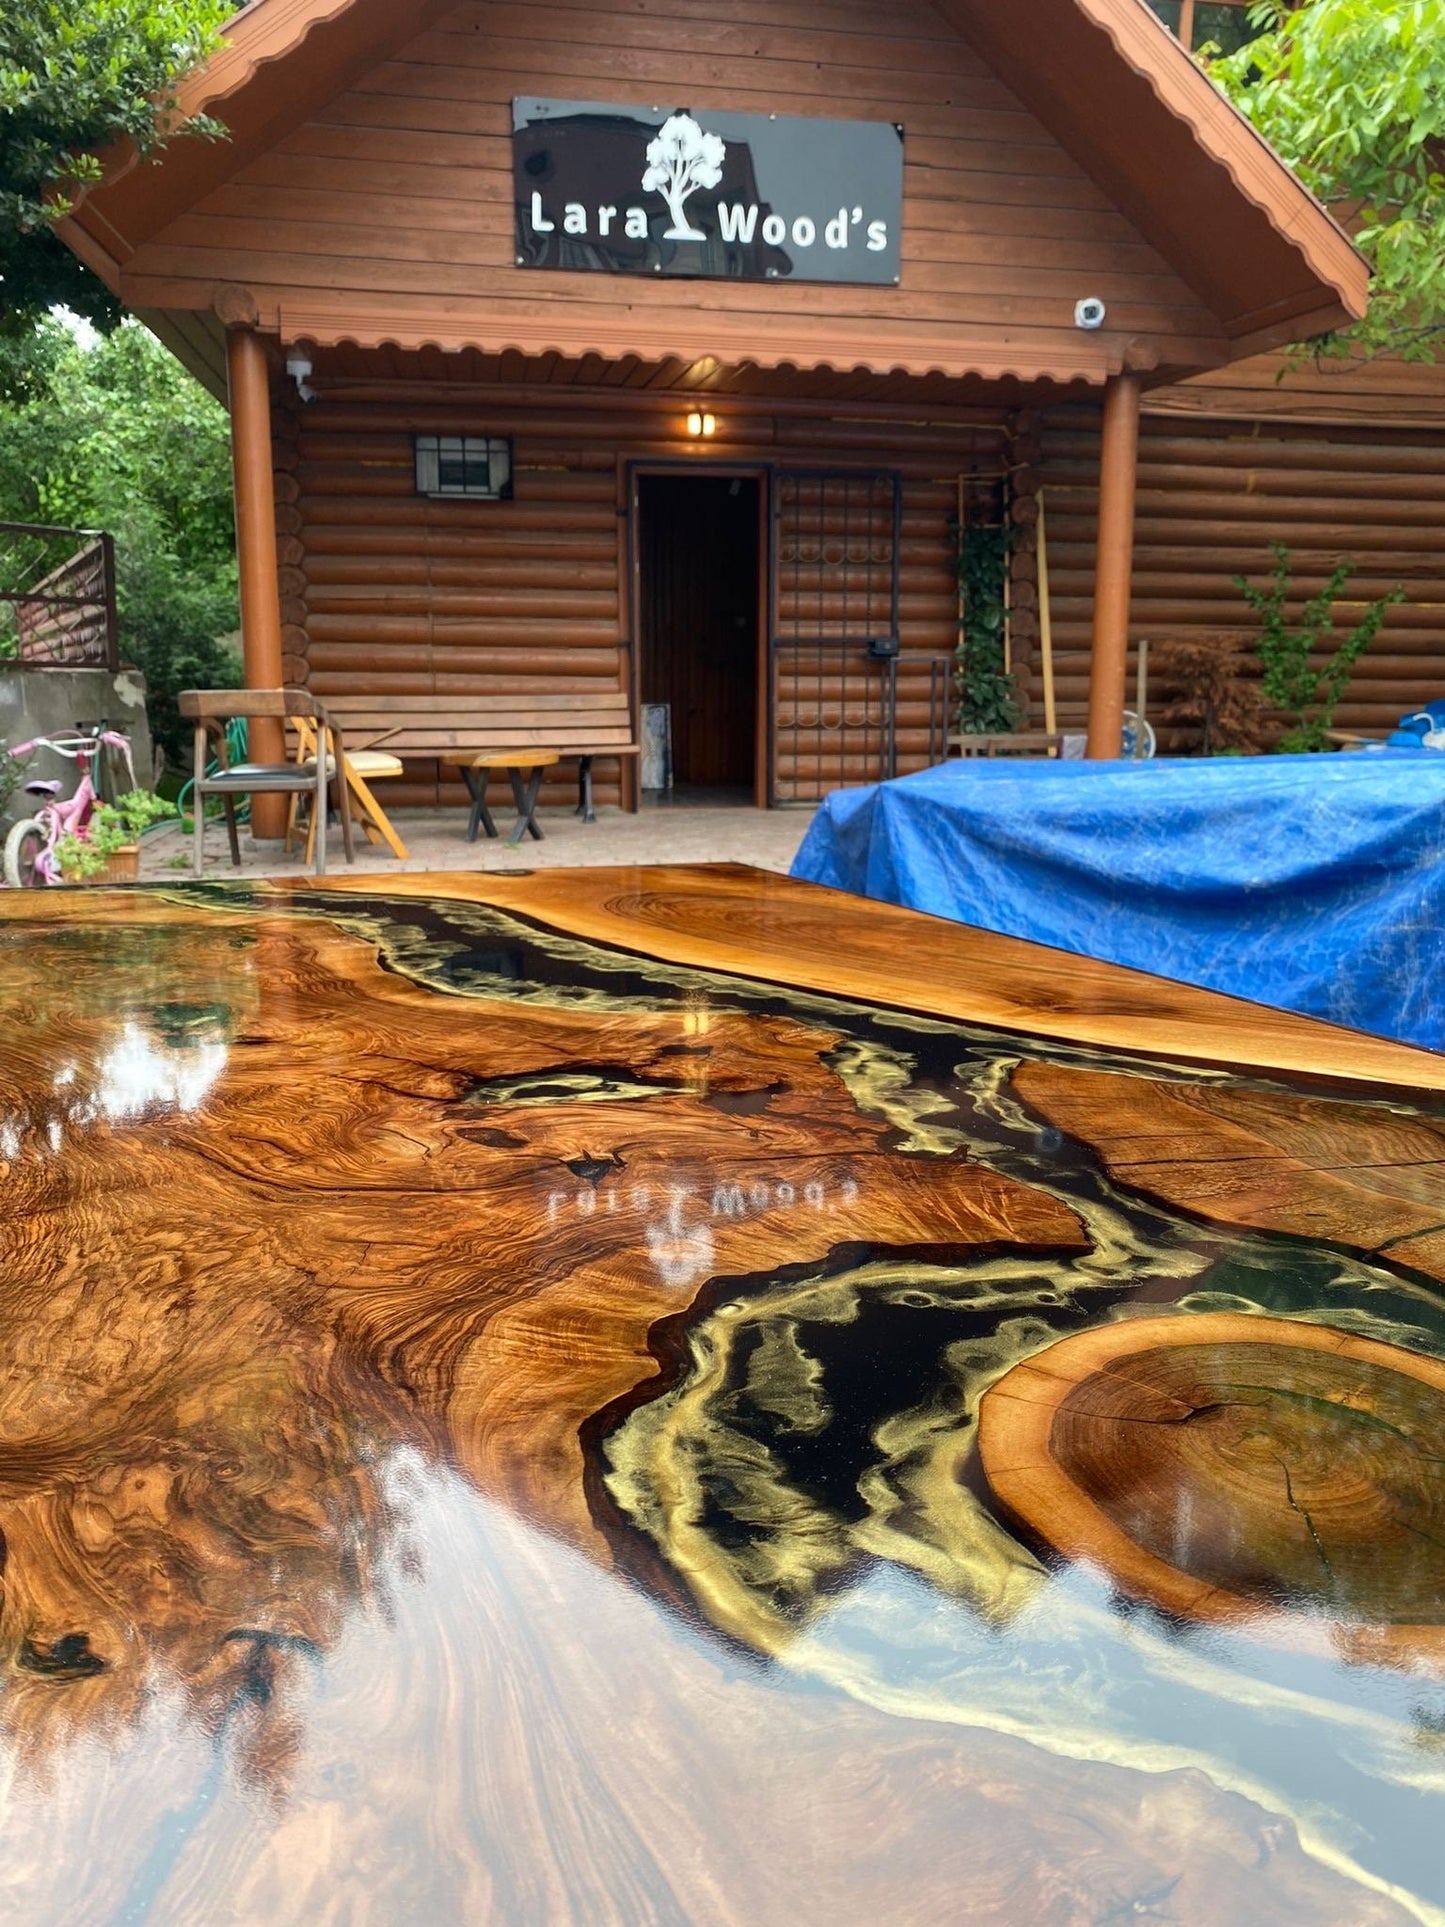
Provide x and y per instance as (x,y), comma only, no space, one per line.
(1029,742)
(482,729)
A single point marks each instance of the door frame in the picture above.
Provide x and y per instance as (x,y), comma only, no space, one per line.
(715,470)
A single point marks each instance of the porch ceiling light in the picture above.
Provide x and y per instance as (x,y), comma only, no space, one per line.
(700,425)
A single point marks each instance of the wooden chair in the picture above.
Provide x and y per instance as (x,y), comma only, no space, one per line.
(363,768)
(210,710)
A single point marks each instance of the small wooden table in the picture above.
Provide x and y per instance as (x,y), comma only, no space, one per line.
(525,769)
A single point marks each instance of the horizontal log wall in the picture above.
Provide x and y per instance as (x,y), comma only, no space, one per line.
(386,591)
(1213,494)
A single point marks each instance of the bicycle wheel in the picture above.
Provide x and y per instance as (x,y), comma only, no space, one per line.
(22,850)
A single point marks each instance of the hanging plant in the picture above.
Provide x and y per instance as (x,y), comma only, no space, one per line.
(987,695)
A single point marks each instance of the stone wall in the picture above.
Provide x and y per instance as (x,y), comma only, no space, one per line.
(44,702)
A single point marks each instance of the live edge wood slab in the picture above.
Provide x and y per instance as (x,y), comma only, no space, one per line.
(673,1395)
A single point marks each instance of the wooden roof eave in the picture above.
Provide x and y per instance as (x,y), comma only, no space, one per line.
(1066,357)
(89,236)
(283,58)
(1195,177)
(1186,91)
(279,61)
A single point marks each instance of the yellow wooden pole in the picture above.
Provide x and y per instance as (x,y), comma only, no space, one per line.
(1046,625)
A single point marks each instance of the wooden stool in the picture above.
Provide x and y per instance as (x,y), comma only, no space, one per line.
(525,769)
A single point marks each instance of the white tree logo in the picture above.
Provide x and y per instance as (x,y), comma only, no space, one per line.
(679,161)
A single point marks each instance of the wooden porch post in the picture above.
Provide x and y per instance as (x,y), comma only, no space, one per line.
(250,388)
(1118,483)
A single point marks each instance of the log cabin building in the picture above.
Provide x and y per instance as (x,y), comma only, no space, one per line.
(662,345)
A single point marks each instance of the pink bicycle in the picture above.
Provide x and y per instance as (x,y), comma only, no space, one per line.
(30,860)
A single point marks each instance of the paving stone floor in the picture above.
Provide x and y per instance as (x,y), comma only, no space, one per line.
(437,841)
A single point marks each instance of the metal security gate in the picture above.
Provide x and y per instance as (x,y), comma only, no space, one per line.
(833,646)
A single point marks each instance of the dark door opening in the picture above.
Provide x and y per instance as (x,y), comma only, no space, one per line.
(700,569)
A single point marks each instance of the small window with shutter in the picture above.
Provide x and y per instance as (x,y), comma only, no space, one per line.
(477,466)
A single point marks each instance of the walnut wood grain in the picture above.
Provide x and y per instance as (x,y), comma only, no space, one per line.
(1364,1179)
(1241,1469)
(318,1281)
(729,917)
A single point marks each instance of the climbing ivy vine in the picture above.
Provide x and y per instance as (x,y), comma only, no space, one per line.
(987,696)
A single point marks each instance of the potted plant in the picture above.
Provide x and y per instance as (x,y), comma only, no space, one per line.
(108,851)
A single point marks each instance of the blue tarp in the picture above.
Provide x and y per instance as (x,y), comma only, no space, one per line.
(1316,883)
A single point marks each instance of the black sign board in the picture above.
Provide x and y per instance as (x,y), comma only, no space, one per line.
(742,197)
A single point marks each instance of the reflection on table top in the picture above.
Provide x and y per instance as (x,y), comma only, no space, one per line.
(492,1370)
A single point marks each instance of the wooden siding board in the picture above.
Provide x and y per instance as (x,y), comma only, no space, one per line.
(389,132)
(841,68)
(1002,228)
(1395,402)
(747,34)
(974,283)
(339,203)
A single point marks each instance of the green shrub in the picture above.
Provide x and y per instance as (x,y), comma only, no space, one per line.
(1305,672)
(112,827)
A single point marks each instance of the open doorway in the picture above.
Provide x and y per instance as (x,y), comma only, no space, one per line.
(699,573)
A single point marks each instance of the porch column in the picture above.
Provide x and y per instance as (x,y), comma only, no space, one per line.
(1118,482)
(250,388)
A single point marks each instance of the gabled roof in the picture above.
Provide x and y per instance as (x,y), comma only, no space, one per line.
(1102,77)
(280,59)
(1121,93)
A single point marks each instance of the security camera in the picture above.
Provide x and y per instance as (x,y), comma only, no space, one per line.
(298,367)
(1090,312)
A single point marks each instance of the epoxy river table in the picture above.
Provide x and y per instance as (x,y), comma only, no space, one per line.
(677,1396)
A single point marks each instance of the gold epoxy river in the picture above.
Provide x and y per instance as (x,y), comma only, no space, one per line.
(363,1257)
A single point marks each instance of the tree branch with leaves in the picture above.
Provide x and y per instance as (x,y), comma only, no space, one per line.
(1351,93)
(77,76)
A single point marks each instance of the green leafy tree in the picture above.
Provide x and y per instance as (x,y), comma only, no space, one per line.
(1352,94)
(116,435)
(75,76)
(1305,671)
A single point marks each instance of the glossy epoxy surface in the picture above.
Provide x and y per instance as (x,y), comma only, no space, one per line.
(489,1429)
